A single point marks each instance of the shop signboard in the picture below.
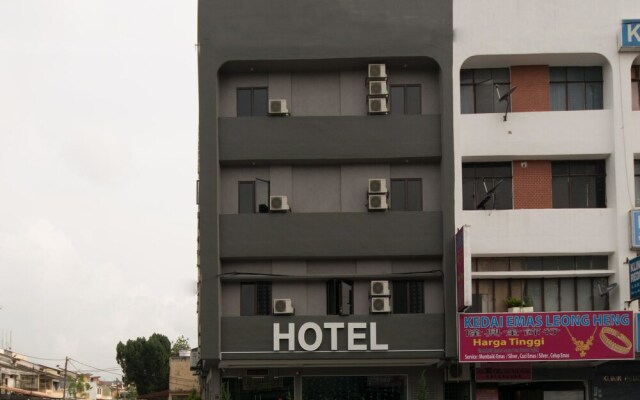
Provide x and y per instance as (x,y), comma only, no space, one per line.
(630,35)
(463,269)
(634,225)
(516,372)
(634,278)
(553,336)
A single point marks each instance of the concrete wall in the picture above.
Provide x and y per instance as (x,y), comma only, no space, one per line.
(342,188)
(326,93)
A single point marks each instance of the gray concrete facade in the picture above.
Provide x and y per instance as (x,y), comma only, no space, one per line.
(314,55)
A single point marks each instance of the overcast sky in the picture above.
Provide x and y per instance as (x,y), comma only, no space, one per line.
(98,163)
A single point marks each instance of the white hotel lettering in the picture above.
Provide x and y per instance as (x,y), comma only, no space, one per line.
(356,336)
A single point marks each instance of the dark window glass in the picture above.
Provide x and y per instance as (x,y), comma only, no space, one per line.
(478,92)
(380,387)
(251,102)
(339,297)
(579,184)
(406,99)
(487,186)
(406,194)
(576,88)
(244,103)
(246,197)
(408,297)
(255,298)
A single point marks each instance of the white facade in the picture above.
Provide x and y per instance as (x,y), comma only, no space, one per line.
(497,34)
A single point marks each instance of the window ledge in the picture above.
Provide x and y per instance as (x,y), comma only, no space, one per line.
(542,274)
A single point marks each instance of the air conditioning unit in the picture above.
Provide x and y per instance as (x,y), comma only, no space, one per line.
(278,204)
(379,288)
(377,71)
(278,107)
(378,88)
(377,202)
(380,305)
(458,373)
(378,185)
(378,105)
(282,307)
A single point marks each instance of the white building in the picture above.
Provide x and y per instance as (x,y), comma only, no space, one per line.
(556,227)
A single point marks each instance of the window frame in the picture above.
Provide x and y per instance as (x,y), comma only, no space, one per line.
(495,178)
(514,265)
(635,85)
(257,309)
(405,194)
(571,177)
(475,83)
(253,111)
(335,300)
(405,97)
(253,200)
(566,81)
(410,287)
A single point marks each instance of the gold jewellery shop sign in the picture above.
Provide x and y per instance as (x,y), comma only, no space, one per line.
(554,336)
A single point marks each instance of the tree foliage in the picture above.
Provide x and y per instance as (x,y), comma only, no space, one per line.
(145,363)
(181,343)
(77,386)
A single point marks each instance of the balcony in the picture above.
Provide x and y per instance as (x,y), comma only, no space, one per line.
(299,140)
(550,231)
(331,235)
(536,133)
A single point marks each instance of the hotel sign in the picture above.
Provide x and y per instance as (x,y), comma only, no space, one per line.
(630,35)
(634,278)
(463,269)
(558,336)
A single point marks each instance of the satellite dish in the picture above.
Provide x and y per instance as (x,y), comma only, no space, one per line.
(488,195)
(605,289)
(505,97)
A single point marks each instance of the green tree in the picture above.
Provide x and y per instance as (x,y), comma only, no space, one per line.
(77,386)
(145,363)
(181,343)
(193,395)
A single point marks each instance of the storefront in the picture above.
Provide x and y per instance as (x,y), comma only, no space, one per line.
(548,356)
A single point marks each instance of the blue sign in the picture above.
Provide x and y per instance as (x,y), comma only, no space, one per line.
(634,278)
(635,229)
(637,332)
(630,34)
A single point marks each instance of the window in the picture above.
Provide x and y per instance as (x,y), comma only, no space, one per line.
(405,99)
(406,194)
(253,196)
(339,297)
(547,294)
(487,186)
(478,92)
(576,88)
(636,178)
(251,102)
(408,297)
(255,298)
(579,184)
(379,387)
(635,87)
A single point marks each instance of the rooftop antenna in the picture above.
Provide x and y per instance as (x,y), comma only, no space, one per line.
(505,97)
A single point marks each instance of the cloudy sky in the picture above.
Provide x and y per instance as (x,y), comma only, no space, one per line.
(98,146)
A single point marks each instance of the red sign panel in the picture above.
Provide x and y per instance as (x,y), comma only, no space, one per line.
(556,336)
(504,373)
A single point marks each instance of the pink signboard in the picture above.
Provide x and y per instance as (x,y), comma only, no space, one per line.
(555,336)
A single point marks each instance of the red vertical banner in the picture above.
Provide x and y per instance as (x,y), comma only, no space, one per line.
(463,269)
